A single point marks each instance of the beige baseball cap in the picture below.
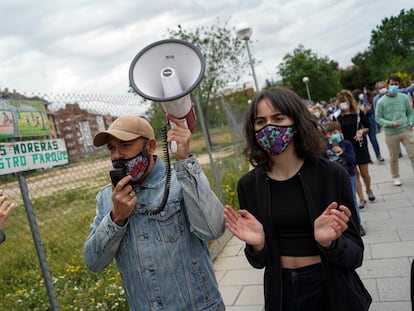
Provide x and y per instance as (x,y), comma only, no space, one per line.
(125,128)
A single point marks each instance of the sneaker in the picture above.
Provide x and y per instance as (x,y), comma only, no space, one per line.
(371,195)
(380,159)
(397,182)
(362,231)
(363,204)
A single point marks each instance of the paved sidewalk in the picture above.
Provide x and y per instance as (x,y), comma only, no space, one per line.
(389,247)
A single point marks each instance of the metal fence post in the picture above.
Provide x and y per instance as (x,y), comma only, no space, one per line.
(213,167)
(37,241)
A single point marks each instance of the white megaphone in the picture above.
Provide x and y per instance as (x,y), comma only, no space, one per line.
(167,71)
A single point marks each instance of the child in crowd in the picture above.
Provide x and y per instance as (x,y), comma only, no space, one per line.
(341,150)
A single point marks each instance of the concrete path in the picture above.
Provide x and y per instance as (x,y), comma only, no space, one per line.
(389,247)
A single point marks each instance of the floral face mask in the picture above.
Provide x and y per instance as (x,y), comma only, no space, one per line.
(274,139)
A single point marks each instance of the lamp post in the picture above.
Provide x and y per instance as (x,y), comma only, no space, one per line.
(306,81)
(244,34)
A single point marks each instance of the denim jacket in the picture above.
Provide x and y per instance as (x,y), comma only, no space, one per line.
(163,259)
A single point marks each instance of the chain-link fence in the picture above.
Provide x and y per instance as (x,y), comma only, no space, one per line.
(41,262)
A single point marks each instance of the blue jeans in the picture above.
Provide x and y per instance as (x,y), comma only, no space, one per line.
(304,289)
(372,134)
(354,188)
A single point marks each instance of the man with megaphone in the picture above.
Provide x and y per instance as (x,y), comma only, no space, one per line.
(161,253)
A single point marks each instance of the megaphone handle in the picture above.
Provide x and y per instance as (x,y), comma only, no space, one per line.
(174,145)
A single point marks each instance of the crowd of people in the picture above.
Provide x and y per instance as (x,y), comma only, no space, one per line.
(362,113)
(299,210)
(299,205)
(310,264)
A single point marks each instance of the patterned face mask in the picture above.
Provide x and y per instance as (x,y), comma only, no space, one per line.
(274,139)
(136,166)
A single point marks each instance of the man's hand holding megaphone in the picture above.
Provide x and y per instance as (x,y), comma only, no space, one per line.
(179,135)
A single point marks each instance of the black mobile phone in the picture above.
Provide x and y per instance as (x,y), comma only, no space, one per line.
(117,172)
(116,175)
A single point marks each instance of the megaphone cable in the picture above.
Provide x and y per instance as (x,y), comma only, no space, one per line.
(163,131)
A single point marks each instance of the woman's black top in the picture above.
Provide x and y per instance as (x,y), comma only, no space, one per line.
(291,219)
(349,126)
(321,182)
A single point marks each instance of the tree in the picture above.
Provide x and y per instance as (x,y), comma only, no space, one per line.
(391,50)
(323,74)
(156,116)
(359,75)
(392,46)
(221,49)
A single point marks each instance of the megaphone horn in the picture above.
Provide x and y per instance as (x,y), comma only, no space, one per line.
(167,71)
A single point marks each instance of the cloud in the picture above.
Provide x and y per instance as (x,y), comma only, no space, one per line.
(86,46)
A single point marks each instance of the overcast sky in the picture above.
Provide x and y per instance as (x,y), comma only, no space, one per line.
(86,46)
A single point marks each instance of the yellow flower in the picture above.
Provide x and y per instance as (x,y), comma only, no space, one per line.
(21,291)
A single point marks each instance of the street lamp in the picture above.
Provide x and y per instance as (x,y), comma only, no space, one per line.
(244,34)
(306,81)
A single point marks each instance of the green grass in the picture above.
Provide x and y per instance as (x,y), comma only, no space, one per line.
(220,138)
(63,219)
(229,169)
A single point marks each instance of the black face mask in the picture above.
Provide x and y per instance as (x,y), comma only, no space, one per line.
(136,166)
